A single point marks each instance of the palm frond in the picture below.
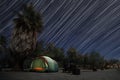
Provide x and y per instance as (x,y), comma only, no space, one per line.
(29,19)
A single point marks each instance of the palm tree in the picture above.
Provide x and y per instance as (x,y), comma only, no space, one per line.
(24,37)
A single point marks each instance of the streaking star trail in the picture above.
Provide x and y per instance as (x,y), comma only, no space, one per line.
(87,25)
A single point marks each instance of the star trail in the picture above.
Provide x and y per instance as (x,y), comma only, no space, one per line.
(87,25)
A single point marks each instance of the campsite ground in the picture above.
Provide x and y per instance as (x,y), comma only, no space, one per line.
(85,75)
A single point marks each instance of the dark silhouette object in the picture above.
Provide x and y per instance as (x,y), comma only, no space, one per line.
(94,69)
(65,67)
(75,69)
(71,68)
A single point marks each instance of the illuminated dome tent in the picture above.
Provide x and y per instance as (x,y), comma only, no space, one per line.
(44,64)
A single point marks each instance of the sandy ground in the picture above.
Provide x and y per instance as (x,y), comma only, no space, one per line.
(85,75)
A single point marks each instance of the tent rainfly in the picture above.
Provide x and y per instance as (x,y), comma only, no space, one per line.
(44,64)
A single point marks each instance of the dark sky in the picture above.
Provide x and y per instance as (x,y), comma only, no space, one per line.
(87,25)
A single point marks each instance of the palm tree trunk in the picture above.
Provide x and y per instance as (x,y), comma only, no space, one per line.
(23,43)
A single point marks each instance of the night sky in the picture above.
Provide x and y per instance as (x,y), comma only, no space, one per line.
(87,25)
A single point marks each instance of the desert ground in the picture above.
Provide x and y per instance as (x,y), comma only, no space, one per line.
(85,75)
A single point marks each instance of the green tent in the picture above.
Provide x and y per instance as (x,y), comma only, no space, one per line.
(52,64)
(44,63)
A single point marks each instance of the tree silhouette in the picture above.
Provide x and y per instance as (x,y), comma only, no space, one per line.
(24,37)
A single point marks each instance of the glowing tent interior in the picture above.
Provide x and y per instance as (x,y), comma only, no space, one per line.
(42,64)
